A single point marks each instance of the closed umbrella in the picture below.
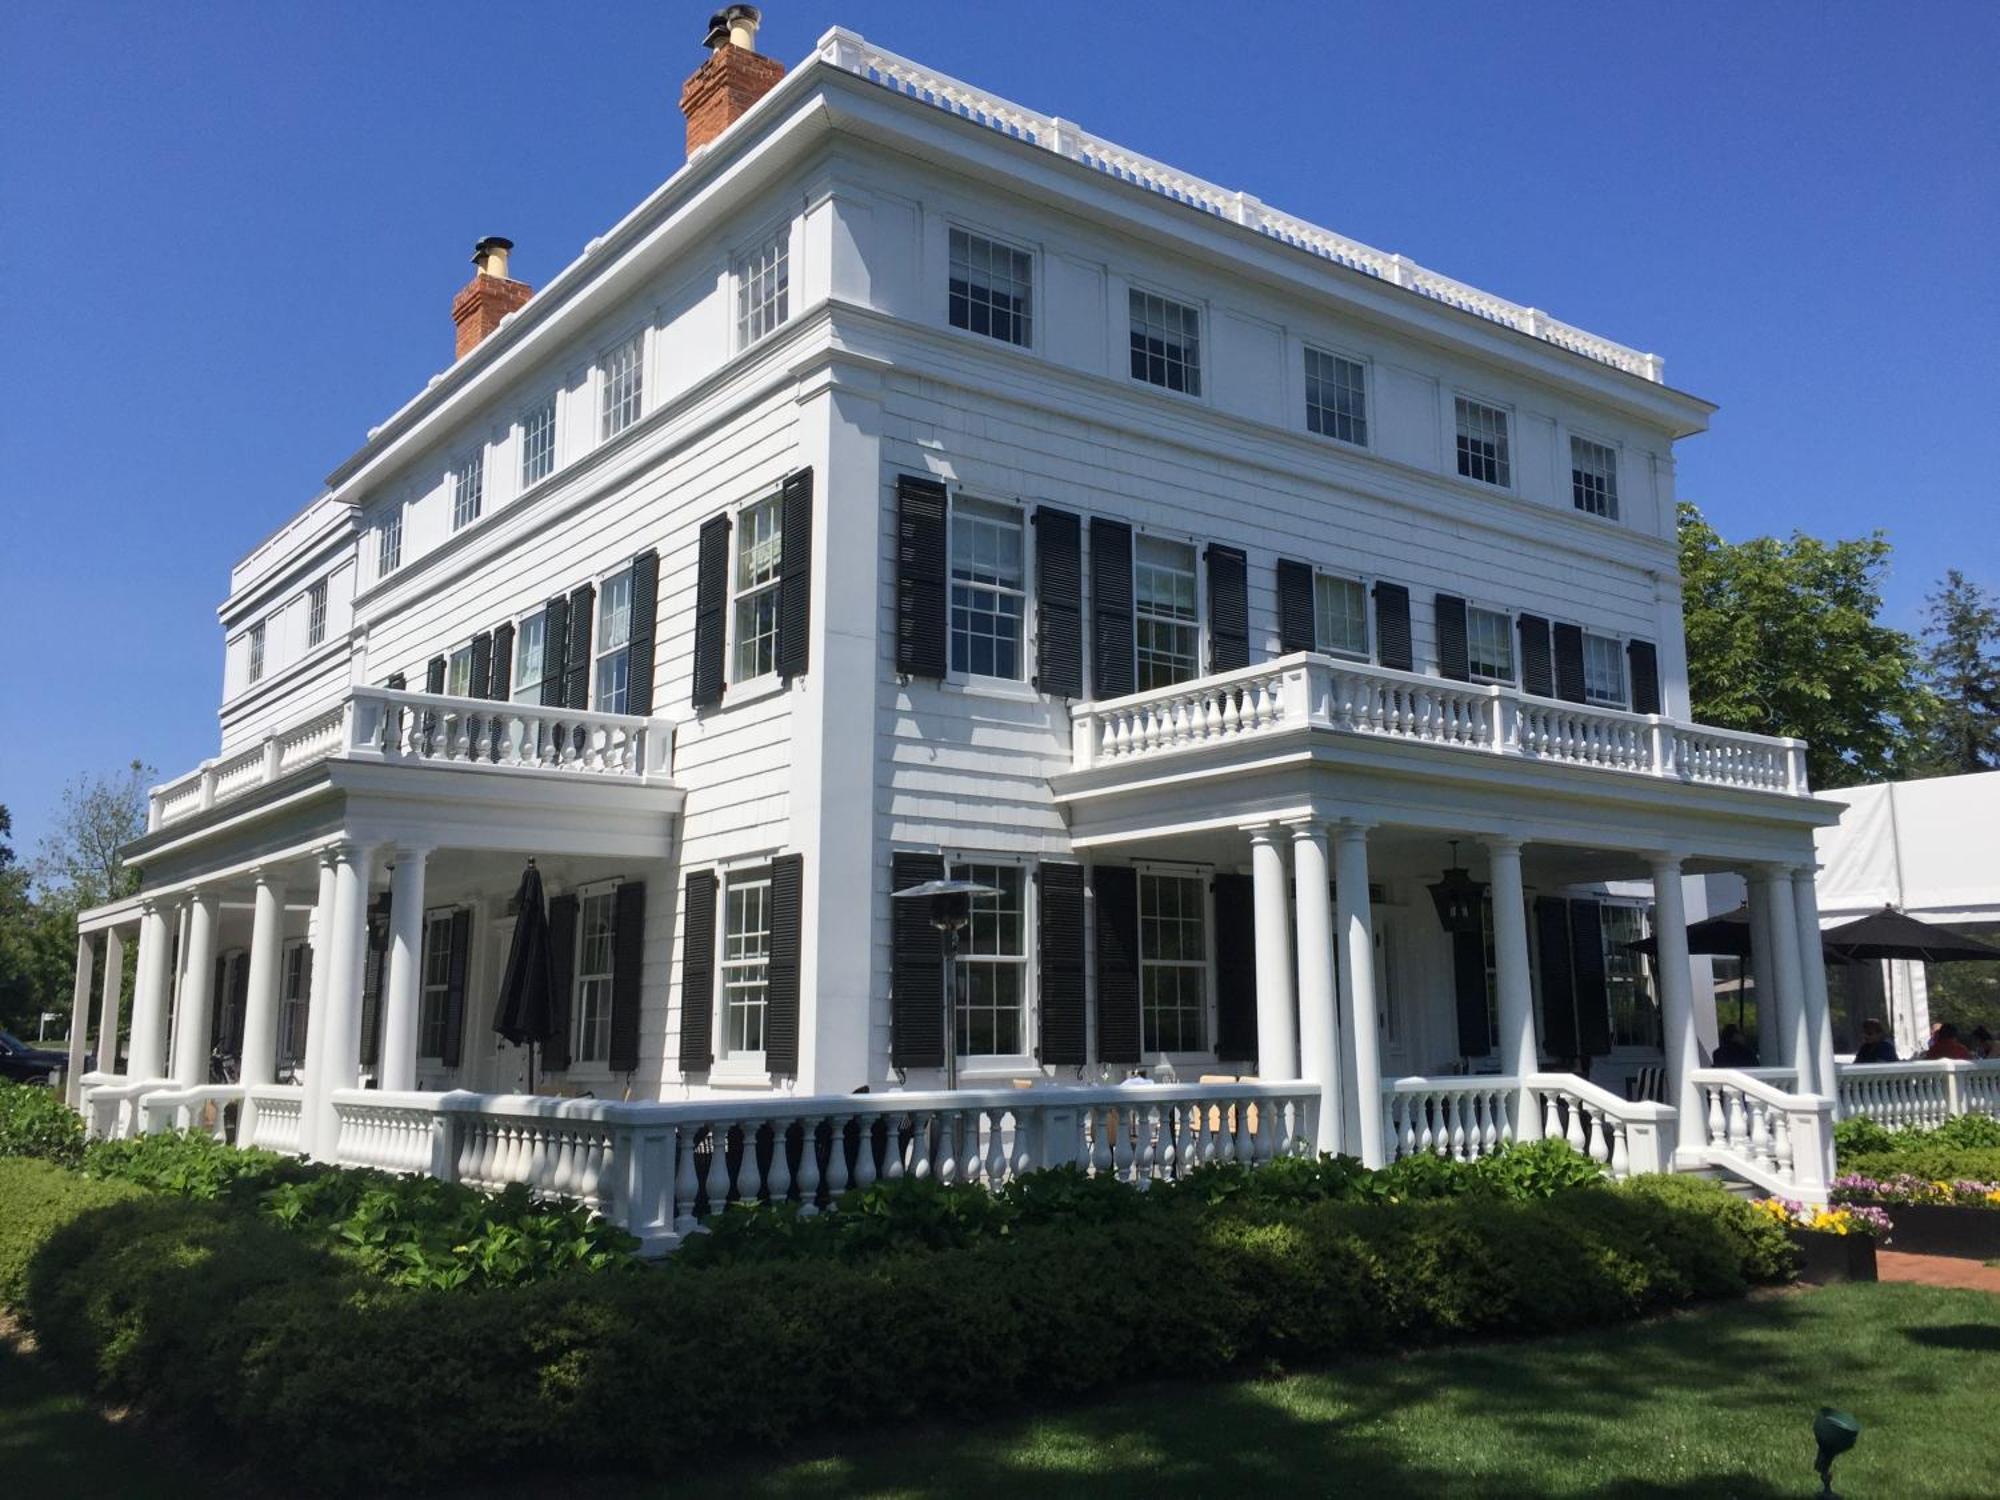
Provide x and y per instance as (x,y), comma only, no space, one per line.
(1889,933)
(526,1012)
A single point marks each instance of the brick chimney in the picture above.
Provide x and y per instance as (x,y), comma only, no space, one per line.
(734,77)
(477,310)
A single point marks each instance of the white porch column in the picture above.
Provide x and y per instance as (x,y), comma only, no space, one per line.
(113,987)
(320,936)
(1676,983)
(1818,1015)
(1360,1028)
(1795,1048)
(1520,1049)
(1277,1013)
(1319,1051)
(406,957)
(347,945)
(147,1054)
(260,1012)
(1765,987)
(79,1016)
(197,997)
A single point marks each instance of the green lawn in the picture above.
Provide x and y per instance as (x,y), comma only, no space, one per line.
(1711,1404)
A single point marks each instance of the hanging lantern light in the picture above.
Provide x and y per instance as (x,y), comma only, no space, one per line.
(1458,897)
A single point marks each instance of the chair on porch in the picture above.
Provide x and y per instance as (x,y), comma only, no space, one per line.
(1647,1085)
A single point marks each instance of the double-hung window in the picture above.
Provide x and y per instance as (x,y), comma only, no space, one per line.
(991,995)
(458,674)
(433,1003)
(1336,397)
(1489,644)
(468,488)
(538,441)
(1166,622)
(988,590)
(1166,342)
(1340,614)
(1635,1013)
(746,960)
(531,662)
(316,613)
(389,542)
(257,652)
(992,288)
(1593,477)
(1603,670)
(594,934)
(295,986)
(1482,443)
(1173,962)
(624,385)
(611,676)
(763,288)
(759,550)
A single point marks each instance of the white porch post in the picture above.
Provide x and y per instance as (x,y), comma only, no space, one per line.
(1818,1015)
(406,957)
(1360,1028)
(1319,1052)
(347,946)
(114,993)
(1766,988)
(1795,1048)
(260,1013)
(1677,1006)
(79,1016)
(197,995)
(319,945)
(146,1057)
(1520,1050)
(1277,1013)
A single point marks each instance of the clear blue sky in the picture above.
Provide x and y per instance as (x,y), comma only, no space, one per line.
(230,232)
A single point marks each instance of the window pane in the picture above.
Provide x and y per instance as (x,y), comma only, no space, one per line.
(538,442)
(987,597)
(1341,609)
(763,289)
(389,543)
(990,997)
(468,488)
(1165,619)
(990,288)
(1593,475)
(1166,343)
(1489,641)
(1482,443)
(746,958)
(593,979)
(1604,670)
(528,643)
(316,614)
(624,378)
(458,673)
(434,999)
(1173,963)
(759,551)
(1336,399)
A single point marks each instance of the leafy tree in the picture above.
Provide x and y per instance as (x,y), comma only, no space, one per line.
(79,861)
(1783,639)
(36,948)
(1962,670)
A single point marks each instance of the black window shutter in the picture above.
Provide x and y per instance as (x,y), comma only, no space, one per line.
(711,612)
(921,633)
(1454,660)
(434,675)
(1065,1027)
(1568,640)
(555,647)
(1058,602)
(1392,627)
(916,975)
(218,1003)
(1558,1035)
(1228,609)
(781,1015)
(500,681)
(454,994)
(239,1000)
(1593,1000)
(1645,662)
(482,665)
(795,575)
(1235,970)
(1468,967)
(562,960)
(374,961)
(1118,1030)
(1113,670)
(396,682)
(698,973)
(576,673)
(1538,672)
(628,952)
(645,615)
(1297,618)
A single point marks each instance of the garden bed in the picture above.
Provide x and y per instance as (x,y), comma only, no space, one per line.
(1943,1229)
(1825,1258)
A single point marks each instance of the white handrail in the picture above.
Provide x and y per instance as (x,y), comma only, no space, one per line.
(1780,1141)
(1465,1118)
(1921,1093)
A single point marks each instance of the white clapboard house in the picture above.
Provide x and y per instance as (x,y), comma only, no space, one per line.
(917,486)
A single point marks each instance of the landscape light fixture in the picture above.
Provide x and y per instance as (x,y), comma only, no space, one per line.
(1457,897)
(1835,1432)
(950,913)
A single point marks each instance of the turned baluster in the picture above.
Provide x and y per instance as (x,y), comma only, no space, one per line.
(1718,1129)
(750,1175)
(836,1156)
(1099,1117)
(718,1167)
(1760,1132)
(809,1173)
(1781,1143)
(973,1164)
(685,1185)
(892,1144)
(778,1182)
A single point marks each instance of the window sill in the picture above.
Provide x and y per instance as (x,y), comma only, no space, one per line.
(743,1073)
(1005,688)
(999,1070)
(756,690)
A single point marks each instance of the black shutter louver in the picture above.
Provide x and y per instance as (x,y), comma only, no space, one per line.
(1297,618)
(434,675)
(1568,640)
(1593,999)
(921,633)
(639,654)
(1116,889)
(562,959)
(1552,945)
(482,666)
(1392,627)
(1058,602)
(795,575)
(628,952)
(1228,609)
(1454,658)
(396,682)
(555,648)
(781,1013)
(576,657)
(454,994)
(1468,968)
(500,681)
(1235,970)
(916,982)
(1065,1024)
(698,972)
(1645,660)
(711,612)
(1538,671)
(1113,671)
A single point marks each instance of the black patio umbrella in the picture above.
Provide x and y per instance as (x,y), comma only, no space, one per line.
(1728,934)
(526,1014)
(1889,933)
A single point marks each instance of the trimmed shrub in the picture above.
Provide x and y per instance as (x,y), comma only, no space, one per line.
(1964,1147)
(34,1121)
(36,1199)
(189,1164)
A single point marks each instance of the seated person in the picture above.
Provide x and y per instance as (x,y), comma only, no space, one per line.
(1876,1046)
(1731,1051)
(1983,1044)
(1946,1045)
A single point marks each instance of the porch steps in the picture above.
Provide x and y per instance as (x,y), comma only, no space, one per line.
(1732,1184)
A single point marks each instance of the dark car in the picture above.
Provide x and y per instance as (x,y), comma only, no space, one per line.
(25,1064)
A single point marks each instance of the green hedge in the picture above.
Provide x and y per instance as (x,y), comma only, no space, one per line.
(35,1121)
(280,1352)
(1964,1147)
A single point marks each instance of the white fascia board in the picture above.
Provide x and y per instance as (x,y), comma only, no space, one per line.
(277,565)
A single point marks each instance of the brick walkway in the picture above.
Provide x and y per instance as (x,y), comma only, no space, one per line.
(1937,1270)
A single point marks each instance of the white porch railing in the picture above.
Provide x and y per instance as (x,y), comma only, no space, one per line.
(1311,692)
(273,1118)
(405,728)
(1468,1118)
(1781,1142)
(659,1170)
(1920,1094)
(205,1108)
(113,1109)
